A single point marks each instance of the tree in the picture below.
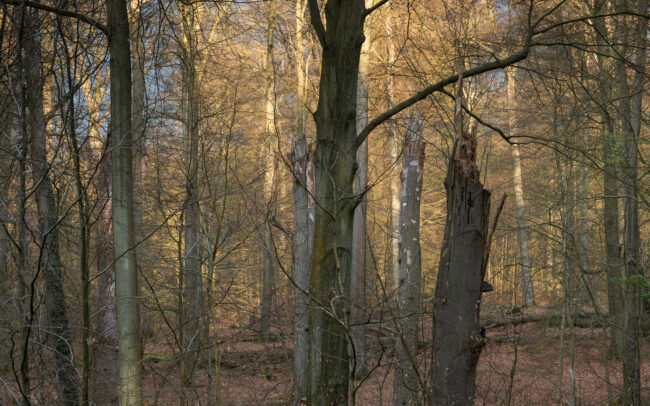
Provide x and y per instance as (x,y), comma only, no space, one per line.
(408,379)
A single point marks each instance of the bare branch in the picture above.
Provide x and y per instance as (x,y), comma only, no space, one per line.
(374,7)
(316,22)
(66,13)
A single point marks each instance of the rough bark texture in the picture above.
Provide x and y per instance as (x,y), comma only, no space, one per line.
(457,340)
(526,275)
(58,331)
(303,220)
(409,304)
(335,166)
(126,277)
(270,164)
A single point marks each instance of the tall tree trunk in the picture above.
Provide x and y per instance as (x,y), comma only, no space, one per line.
(106,376)
(394,159)
(270,164)
(631,110)
(358,261)
(193,311)
(335,166)
(611,159)
(59,331)
(457,340)
(126,275)
(526,275)
(303,217)
(407,382)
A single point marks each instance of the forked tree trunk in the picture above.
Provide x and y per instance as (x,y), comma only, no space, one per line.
(407,381)
(335,166)
(270,164)
(58,330)
(126,276)
(457,340)
(526,275)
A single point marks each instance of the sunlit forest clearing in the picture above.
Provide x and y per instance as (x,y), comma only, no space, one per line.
(324,202)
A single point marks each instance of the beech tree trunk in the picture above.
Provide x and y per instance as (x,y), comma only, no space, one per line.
(193,311)
(526,275)
(303,219)
(335,166)
(409,304)
(58,333)
(270,164)
(126,276)
(358,266)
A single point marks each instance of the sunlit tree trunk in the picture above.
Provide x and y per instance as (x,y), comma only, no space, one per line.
(409,306)
(270,166)
(394,155)
(303,218)
(51,264)
(126,277)
(526,275)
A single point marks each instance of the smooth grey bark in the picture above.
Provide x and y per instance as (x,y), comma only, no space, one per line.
(270,165)
(358,261)
(58,330)
(126,276)
(394,158)
(407,383)
(528,291)
(193,309)
(303,219)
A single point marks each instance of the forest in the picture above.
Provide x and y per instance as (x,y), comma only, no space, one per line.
(324,202)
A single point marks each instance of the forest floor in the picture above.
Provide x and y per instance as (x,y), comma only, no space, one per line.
(519,366)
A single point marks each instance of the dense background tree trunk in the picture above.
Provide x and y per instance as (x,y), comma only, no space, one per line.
(409,304)
(528,291)
(270,181)
(58,332)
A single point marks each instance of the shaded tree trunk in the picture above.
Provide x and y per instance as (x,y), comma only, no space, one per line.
(457,340)
(126,276)
(106,376)
(51,264)
(335,166)
(358,265)
(409,306)
(528,292)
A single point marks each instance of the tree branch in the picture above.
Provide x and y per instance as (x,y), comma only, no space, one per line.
(421,95)
(374,7)
(66,13)
(316,22)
